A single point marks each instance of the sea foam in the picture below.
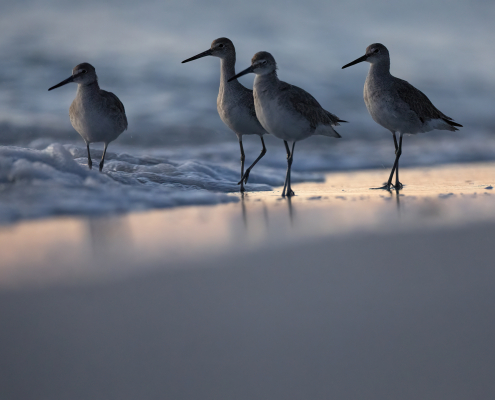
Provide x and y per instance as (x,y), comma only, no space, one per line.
(55,180)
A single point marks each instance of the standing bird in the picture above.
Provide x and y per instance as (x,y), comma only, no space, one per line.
(397,105)
(97,115)
(286,111)
(235,102)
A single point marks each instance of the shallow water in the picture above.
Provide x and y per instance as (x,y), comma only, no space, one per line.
(44,180)
(176,143)
(73,249)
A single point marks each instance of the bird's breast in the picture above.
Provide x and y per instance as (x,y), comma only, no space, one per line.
(279,119)
(236,113)
(93,122)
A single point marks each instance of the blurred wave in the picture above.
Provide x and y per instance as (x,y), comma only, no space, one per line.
(442,47)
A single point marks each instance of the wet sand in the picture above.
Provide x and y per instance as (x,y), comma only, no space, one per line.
(341,292)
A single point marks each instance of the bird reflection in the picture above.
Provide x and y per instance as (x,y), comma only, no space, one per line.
(265,215)
(397,200)
(108,236)
(244,207)
(291,211)
(244,214)
(397,197)
(255,212)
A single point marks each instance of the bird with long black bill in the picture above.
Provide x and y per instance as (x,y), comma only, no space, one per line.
(235,102)
(397,105)
(286,111)
(97,115)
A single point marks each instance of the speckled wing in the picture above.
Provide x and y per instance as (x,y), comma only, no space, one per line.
(418,102)
(116,108)
(308,106)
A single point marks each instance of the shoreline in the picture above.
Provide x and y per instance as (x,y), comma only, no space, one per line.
(329,295)
(65,249)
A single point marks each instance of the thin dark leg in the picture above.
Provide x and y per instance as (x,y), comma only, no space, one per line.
(398,185)
(396,163)
(243,157)
(290,192)
(287,173)
(398,152)
(290,156)
(246,174)
(90,163)
(103,156)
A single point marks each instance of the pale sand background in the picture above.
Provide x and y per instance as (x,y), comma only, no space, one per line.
(343,292)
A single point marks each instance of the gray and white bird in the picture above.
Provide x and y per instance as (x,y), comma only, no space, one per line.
(97,115)
(397,105)
(286,111)
(235,102)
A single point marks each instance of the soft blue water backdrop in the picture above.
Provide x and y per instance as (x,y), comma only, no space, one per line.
(444,48)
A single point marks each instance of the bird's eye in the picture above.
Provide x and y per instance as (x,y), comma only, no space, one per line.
(84,71)
(263,62)
(220,45)
(376,51)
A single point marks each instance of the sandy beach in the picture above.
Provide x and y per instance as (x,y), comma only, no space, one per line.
(156,279)
(341,292)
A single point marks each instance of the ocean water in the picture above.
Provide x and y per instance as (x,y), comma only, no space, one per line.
(177,151)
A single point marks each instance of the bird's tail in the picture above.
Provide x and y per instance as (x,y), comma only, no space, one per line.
(327,130)
(452,123)
(335,120)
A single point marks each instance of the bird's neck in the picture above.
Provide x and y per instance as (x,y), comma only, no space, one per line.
(380,69)
(88,91)
(227,71)
(266,82)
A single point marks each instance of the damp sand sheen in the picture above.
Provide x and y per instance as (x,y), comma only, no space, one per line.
(81,248)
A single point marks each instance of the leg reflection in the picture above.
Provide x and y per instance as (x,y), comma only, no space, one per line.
(265,215)
(109,237)
(397,198)
(291,210)
(244,212)
(255,213)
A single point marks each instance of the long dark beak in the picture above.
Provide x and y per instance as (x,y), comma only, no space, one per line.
(360,59)
(68,80)
(246,71)
(200,55)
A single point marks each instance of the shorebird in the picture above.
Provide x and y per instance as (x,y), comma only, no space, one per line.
(97,115)
(235,102)
(397,105)
(286,111)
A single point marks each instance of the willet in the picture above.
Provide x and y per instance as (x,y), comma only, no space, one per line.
(286,111)
(235,102)
(397,105)
(97,115)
